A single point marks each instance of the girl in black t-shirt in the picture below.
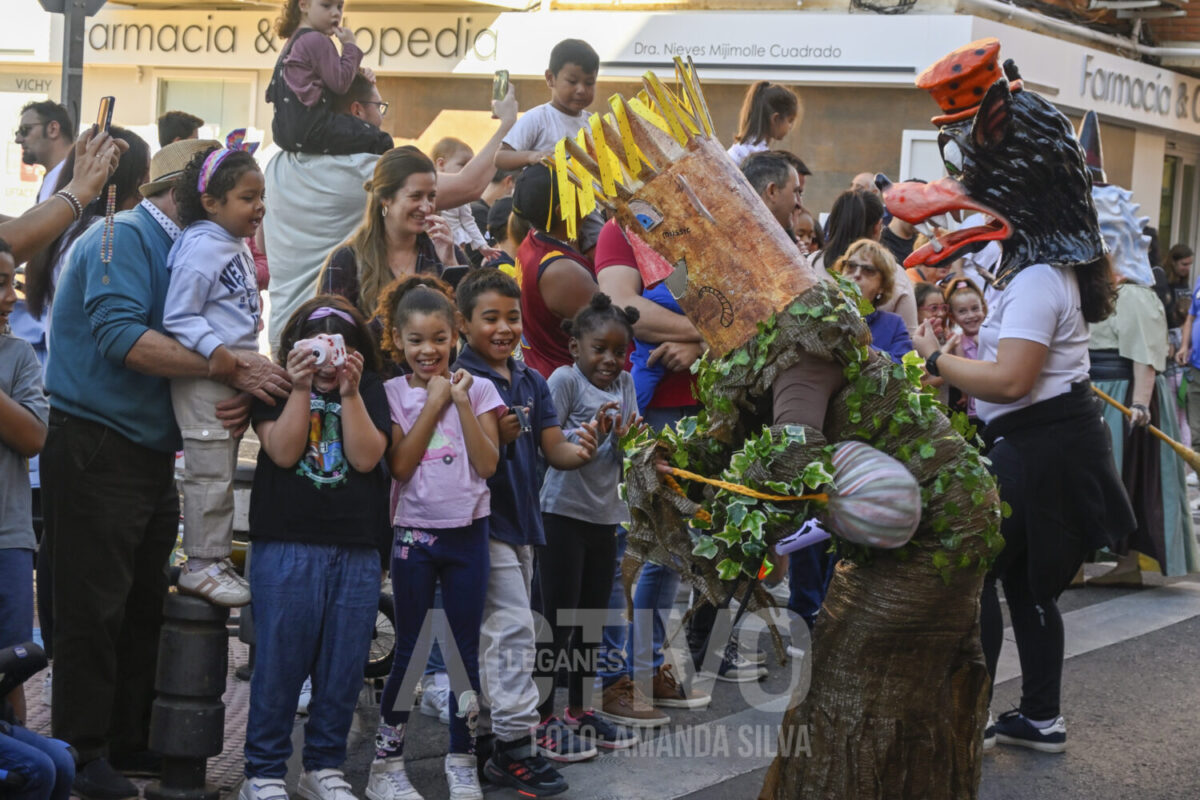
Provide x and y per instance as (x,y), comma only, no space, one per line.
(318,503)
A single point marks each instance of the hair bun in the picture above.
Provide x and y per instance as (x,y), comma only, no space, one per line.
(368,185)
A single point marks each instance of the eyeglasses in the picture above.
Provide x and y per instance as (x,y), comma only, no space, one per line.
(383,106)
(25,130)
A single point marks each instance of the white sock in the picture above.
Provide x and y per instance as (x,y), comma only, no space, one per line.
(1041,724)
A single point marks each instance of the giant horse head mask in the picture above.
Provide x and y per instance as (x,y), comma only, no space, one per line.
(1011,156)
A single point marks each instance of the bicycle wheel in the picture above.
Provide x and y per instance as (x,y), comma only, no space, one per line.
(383,640)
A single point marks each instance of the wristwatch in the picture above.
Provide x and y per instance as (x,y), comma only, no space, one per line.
(931,363)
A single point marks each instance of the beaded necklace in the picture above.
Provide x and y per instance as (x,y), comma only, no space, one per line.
(106,238)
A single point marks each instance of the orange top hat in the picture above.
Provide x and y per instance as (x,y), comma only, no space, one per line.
(959,80)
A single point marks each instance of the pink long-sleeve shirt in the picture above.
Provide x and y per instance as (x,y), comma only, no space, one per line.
(313,64)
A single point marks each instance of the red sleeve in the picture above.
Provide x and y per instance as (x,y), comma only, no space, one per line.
(613,248)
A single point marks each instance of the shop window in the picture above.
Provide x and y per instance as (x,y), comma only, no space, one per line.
(920,157)
(223,104)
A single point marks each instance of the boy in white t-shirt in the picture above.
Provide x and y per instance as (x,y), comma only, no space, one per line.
(572,82)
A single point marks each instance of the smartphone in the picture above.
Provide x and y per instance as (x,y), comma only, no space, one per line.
(499,87)
(452,275)
(104,115)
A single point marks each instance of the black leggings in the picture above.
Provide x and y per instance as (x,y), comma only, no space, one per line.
(1031,589)
(576,571)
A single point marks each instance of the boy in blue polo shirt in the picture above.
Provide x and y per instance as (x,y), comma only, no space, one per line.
(490,303)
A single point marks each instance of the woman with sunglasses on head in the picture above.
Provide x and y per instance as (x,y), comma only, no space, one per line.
(869,265)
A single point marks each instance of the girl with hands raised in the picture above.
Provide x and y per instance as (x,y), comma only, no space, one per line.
(444,448)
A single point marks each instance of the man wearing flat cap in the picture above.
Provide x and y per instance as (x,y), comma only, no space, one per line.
(111,508)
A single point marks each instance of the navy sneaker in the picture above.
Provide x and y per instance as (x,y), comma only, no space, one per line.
(558,742)
(1013,728)
(591,727)
(519,766)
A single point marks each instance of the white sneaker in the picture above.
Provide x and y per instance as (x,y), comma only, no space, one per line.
(435,696)
(218,584)
(305,697)
(389,781)
(462,777)
(263,789)
(48,686)
(324,784)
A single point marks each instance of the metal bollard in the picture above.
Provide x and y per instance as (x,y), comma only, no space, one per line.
(187,721)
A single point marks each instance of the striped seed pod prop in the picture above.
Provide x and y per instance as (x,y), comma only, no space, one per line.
(877,501)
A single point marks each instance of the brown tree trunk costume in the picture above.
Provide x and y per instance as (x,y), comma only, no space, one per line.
(897,702)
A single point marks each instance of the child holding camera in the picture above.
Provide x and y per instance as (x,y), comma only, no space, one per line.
(212,308)
(318,502)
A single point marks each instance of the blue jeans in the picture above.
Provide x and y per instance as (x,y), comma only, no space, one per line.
(635,650)
(16,596)
(314,611)
(809,571)
(46,764)
(458,559)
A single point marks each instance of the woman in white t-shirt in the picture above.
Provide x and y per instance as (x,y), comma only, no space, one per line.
(1052,458)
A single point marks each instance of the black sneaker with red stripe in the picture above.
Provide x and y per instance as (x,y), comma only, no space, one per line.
(519,766)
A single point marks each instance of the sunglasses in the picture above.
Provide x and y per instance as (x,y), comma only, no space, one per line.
(25,130)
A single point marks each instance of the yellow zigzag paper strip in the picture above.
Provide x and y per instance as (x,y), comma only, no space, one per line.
(633,158)
(603,156)
(587,197)
(566,192)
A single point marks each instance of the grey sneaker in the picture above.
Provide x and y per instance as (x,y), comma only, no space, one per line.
(217,583)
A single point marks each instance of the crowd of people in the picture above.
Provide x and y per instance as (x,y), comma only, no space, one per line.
(449,382)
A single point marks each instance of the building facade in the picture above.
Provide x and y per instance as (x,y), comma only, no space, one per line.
(854,73)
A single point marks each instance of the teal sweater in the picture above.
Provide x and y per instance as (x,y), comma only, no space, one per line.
(100,310)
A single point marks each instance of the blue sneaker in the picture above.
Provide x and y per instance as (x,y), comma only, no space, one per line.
(591,727)
(558,742)
(1013,728)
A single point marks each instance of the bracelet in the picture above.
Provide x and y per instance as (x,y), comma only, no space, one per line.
(72,201)
(931,363)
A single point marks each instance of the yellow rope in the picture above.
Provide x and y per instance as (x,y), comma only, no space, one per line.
(820,497)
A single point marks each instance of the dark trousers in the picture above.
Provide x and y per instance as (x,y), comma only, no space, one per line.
(112,516)
(458,559)
(576,574)
(1031,589)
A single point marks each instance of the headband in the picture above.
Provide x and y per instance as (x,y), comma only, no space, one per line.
(234,142)
(326,311)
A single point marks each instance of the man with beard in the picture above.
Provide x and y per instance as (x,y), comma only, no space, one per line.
(46,135)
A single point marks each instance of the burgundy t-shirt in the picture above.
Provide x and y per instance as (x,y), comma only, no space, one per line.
(544,344)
